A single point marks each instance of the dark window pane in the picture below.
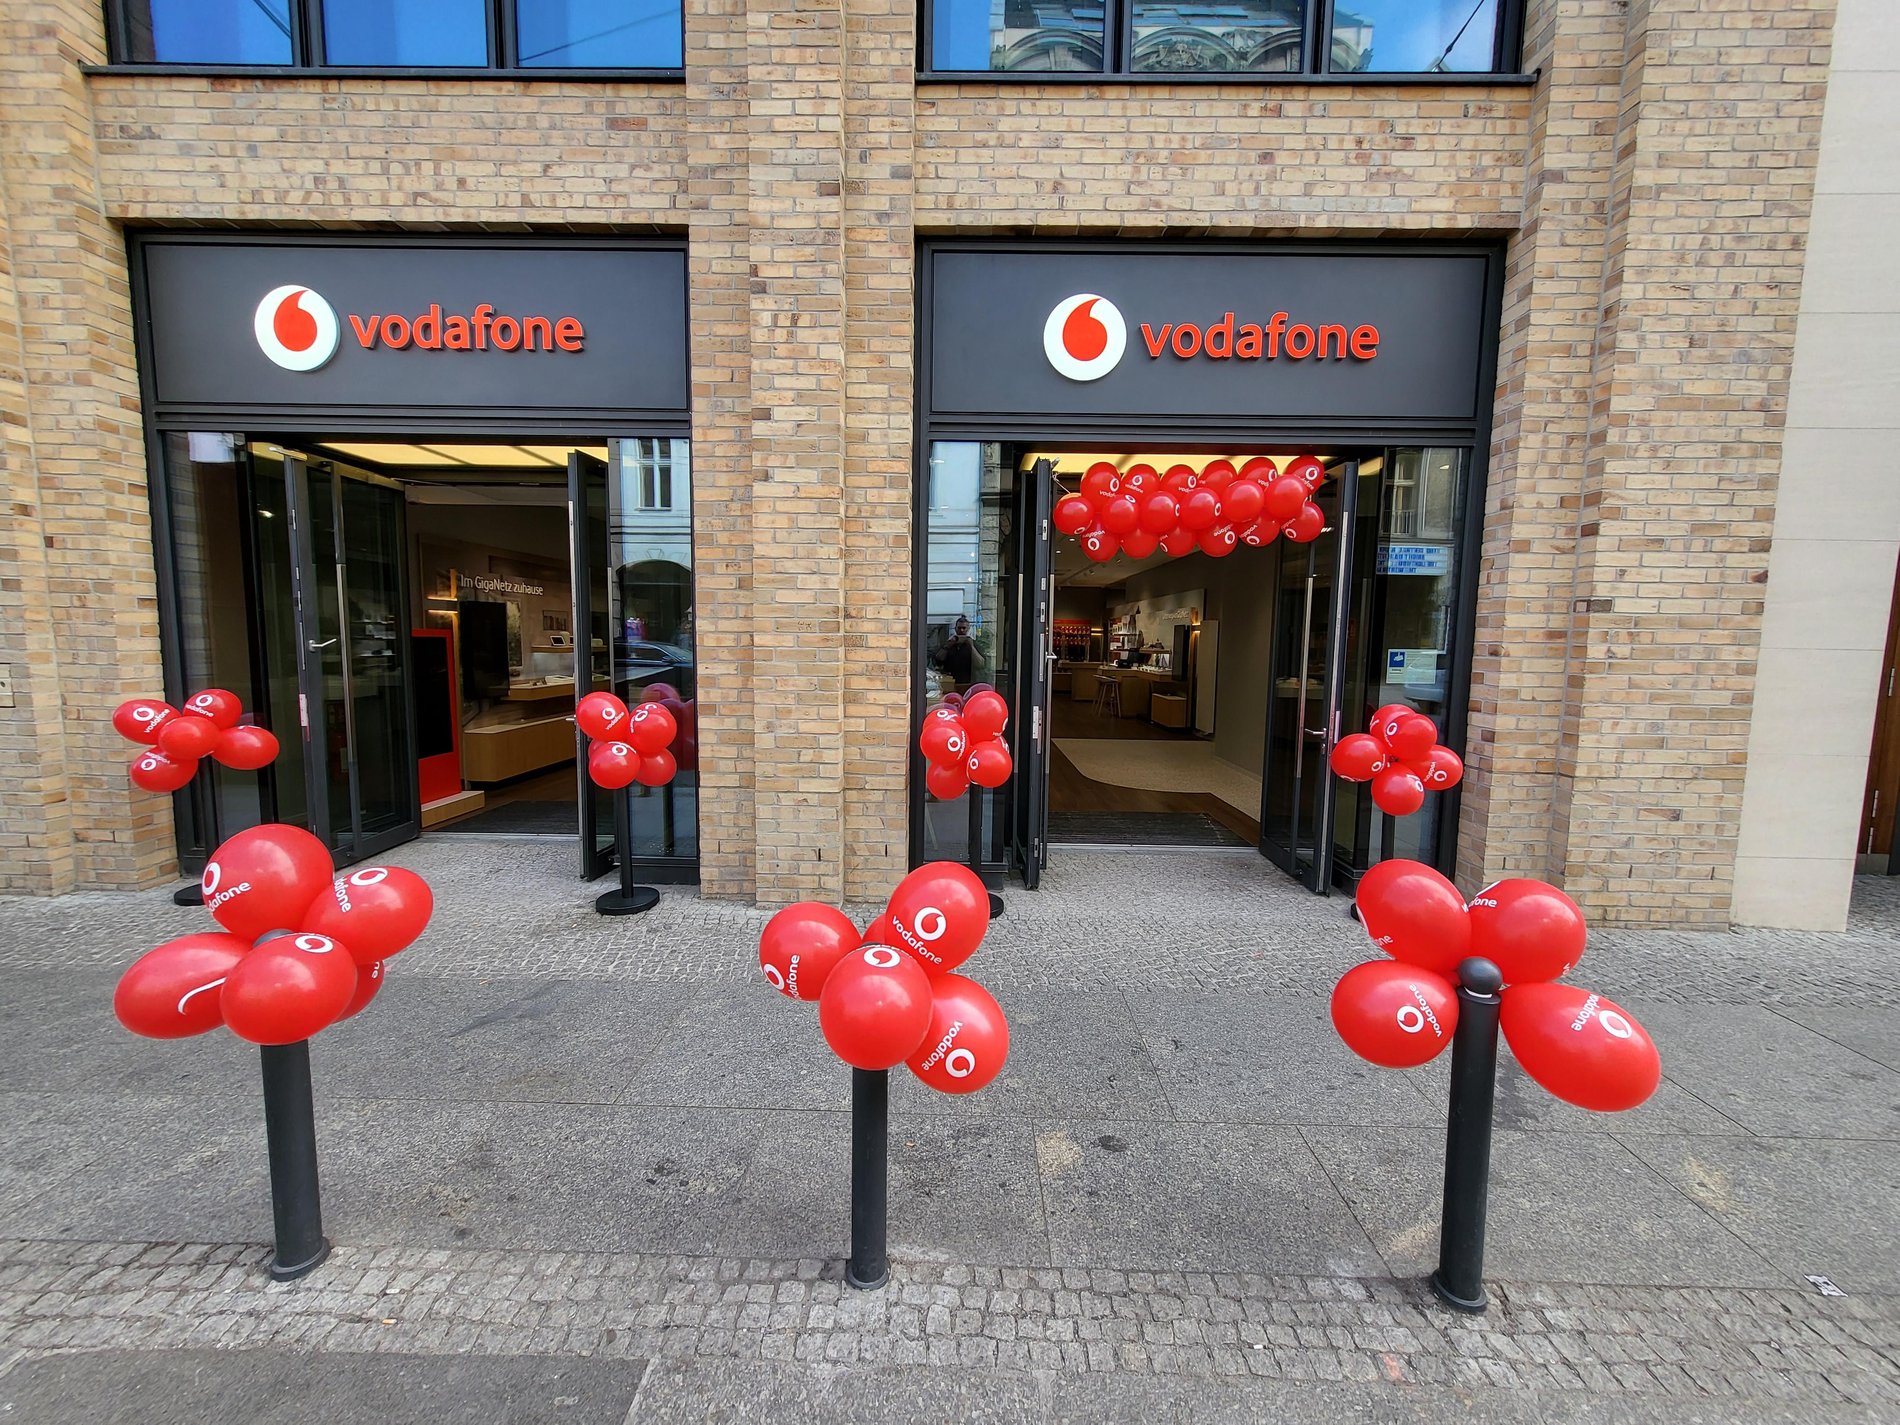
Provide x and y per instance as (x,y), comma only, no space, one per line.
(600,34)
(1414,36)
(1218,36)
(208,31)
(406,32)
(1029,35)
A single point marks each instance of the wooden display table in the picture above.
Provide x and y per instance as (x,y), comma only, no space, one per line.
(1168,710)
(514,749)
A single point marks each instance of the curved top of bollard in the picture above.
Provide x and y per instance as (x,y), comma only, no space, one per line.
(1480,976)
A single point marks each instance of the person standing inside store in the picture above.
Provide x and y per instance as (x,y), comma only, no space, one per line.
(958,657)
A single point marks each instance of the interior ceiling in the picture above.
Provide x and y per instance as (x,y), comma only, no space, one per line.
(1073,568)
(452,457)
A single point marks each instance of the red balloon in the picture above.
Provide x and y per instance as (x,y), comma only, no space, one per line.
(802,944)
(1180,480)
(657,769)
(1073,514)
(651,728)
(1261,532)
(1121,514)
(875,1007)
(944,741)
(153,771)
(221,707)
(1101,484)
(1179,541)
(373,911)
(1415,915)
(1308,525)
(1140,480)
(967,1042)
(1397,791)
(1440,769)
(1283,498)
(1160,512)
(1259,468)
(1385,715)
(1309,471)
(289,988)
(1244,501)
(946,782)
(1200,510)
(186,739)
(1396,1016)
(950,700)
(265,878)
(1358,757)
(1100,545)
(174,991)
(1580,1046)
(612,765)
(139,719)
(1219,542)
(369,979)
(1410,737)
(602,716)
(1216,475)
(1531,931)
(989,763)
(939,913)
(246,748)
(1140,544)
(985,714)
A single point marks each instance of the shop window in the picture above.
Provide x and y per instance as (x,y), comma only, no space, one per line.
(207,31)
(1221,37)
(598,34)
(653,482)
(418,33)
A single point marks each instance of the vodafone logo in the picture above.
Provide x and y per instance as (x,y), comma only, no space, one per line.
(1085,336)
(296,328)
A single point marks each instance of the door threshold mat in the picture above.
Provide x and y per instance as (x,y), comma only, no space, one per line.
(1136,828)
(517,819)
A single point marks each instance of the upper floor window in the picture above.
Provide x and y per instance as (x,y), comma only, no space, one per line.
(1173,37)
(401,34)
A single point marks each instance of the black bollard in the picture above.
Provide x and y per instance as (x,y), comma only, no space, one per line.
(290,1128)
(996,905)
(627,898)
(1459,1280)
(867,1268)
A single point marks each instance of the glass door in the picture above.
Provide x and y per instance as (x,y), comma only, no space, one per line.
(350,600)
(1306,680)
(587,526)
(1036,656)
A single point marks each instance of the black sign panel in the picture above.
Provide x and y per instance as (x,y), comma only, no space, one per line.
(470,329)
(1307,336)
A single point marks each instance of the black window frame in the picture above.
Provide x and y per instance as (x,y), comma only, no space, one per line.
(1507,44)
(307,54)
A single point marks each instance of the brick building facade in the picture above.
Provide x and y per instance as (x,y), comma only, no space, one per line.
(1652,189)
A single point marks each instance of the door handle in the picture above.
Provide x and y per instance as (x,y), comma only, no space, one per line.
(313,645)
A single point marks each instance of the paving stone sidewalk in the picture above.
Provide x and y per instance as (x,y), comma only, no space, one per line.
(586,1169)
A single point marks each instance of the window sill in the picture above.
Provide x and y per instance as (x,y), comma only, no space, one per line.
(285,71)
(1278,79)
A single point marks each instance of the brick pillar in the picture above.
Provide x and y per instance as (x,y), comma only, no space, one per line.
(79,602)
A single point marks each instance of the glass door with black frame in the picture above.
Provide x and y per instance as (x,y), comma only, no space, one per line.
(1035,632)
(1306,677)
(587,526)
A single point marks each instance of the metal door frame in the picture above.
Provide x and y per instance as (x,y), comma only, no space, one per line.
(595,860)
(1035,660)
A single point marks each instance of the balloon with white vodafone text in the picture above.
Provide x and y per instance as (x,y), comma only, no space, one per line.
(172,991)
(968,1039)
(612,765)
(875,1007)
(1580,1046)
(1397,791)
(1415,915)
(288,988)
(186,739)
(1073,514)
(1160,513)
(1395,1015)
(1440,769)
(802,944)
(1101,484)
(1305,527)
(1099,545)
(989,764)
(602,716)
(985,714)
(1178,542)
(1528,929)
(1309,470)
(943,741)
(369,979)
(1358,757)
(946,783)
(1283,498)
(139,719)
(1121,515)
(1411,737)
(651,728)
(1200,510)
(265,878)
(374,911)
(245,749)
(153,771)
(938,913)
(220,705)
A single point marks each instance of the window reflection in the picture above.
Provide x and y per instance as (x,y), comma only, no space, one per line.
(1031,35)
(1210,37)
(1414,36)
(208,31)
(599,34)
(424,33)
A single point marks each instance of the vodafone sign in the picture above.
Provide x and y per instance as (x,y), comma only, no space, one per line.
(484,327)
(1384,335)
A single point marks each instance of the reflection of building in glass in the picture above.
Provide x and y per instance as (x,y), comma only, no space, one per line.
(1203,37)
(651,538)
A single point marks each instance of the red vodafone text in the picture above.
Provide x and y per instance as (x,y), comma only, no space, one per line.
(482,330)
(1228,339)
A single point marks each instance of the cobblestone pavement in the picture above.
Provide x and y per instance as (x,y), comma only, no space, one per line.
(599,1157)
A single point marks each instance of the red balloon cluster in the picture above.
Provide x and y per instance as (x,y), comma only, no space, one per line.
(300,948)
(962,742)
(892,995)
(632,744)
(176,739)
(1401,757)
(1213,509)
(1401,1012)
